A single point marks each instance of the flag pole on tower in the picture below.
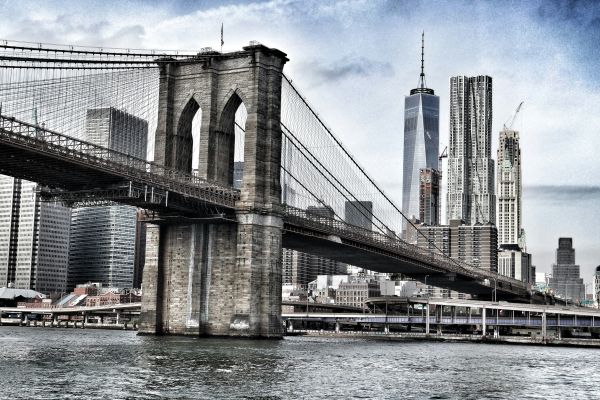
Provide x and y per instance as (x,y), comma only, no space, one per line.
(222,37)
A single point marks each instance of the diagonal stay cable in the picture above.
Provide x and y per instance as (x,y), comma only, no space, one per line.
(323,168)
(336,140)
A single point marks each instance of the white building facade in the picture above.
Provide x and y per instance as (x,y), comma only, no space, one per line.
(34,238)
(513,259)
(509,193)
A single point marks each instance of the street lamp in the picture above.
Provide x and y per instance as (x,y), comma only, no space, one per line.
(426,287)
(585,286)
(495,288)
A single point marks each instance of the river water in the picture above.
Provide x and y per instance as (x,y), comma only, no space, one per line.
(46,363)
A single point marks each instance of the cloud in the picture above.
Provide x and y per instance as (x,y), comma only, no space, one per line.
(58,29)
(562,193)
(579,21)
(568,10)
(64,28)
(347,67)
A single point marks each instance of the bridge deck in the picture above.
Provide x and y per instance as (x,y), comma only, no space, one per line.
(342,242)
(86,170)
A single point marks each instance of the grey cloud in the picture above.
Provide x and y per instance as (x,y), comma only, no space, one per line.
(62,27)
(579,15)
(565,10)
(348,67)
(55,31)
(562,194)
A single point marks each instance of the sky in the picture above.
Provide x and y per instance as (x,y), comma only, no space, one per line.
(356,60)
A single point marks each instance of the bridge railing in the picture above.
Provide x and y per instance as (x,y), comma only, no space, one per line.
(122,164)
(342,229)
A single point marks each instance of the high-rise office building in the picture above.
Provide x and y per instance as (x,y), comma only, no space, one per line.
(117,130)
(565,279)
(421,141)
(476,245)
(359,213)
(509,211)
(565,253)
(34,238)
(103,246)
(515,263)
(513,260)
(103,238)
(470,194)
(429,196)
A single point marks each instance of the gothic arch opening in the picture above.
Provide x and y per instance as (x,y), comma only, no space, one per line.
(196,125)
(230,143)
(187,138)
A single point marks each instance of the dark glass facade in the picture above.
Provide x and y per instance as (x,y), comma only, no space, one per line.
(421,145)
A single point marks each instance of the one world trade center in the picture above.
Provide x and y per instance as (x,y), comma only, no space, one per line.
(421,139)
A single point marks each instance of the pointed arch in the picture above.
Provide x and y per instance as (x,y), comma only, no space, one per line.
(225,141)
(184,138)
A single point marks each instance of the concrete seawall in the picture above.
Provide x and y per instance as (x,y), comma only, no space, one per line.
(453,338)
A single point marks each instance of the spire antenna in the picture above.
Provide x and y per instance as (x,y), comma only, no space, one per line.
(422,79)
(422,86)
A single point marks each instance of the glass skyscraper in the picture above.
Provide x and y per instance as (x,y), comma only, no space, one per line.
(421,141)
(103,238)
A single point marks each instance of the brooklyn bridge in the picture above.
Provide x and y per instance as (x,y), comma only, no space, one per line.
(213,257)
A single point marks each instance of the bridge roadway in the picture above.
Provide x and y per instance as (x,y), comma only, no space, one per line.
(76,171)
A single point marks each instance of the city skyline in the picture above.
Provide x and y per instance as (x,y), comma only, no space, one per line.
(548,63)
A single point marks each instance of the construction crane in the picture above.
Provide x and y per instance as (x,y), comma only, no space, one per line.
(444,154)
(512,119)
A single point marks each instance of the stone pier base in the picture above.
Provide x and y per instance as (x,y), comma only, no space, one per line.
(215,280)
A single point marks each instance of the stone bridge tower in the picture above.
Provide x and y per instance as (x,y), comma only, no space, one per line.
(219,279)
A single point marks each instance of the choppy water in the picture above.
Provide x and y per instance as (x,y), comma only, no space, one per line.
(38,363)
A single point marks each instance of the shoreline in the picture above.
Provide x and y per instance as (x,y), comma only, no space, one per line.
(71,325)
(450,338)
(378,336)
